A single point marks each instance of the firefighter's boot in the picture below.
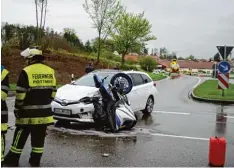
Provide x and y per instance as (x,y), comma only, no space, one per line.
(35,159)
(11,160)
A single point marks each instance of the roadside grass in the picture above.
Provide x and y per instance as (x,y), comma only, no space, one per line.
(209,89)
(157,77)
(13,86)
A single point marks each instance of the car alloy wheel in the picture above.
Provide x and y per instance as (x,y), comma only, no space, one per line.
(149,106)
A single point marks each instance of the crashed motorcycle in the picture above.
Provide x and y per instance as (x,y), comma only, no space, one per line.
(112,111)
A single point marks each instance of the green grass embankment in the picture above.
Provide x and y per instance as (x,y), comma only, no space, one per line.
(209,89)
(157,77)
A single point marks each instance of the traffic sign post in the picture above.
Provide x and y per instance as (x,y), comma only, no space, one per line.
(223,81)
(224,68)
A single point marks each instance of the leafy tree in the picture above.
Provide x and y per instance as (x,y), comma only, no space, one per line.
(163,52)
(191,57)
(181,58)
(25,36)
(173,54)
(145,51)
(148,63)
(131,30)
(8,31)
(138,48)
(70,36)
(152,51)
(106,44)
(103,13)
(155,51)
(88,47)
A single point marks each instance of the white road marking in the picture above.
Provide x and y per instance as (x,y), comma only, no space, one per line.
(182,137)
(171,112)
(229,117)
(199,81)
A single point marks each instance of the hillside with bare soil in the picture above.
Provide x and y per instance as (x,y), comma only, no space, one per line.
(63,65)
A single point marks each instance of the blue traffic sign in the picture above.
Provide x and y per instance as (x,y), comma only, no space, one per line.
(224,67)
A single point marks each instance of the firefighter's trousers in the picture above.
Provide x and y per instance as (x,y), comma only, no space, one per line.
(38,134)
(2,146)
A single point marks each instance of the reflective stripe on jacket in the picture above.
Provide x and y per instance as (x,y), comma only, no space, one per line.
(34,92)
(4,92)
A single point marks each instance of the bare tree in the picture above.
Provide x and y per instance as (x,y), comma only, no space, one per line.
(45,14)
(42,11)
(42,4)
(103,13)
(36,4)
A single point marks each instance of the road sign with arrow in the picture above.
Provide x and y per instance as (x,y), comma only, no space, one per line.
(222,51)
(224,67)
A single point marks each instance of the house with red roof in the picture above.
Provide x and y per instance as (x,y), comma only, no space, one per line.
(185,65)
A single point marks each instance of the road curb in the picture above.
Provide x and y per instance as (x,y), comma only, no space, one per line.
(209,100)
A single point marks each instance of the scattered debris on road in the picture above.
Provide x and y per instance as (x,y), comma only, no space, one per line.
(105,155)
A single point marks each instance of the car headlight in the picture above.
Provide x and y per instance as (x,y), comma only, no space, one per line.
(57,99)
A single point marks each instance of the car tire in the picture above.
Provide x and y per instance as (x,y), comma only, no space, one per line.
(149,106)
(62,123)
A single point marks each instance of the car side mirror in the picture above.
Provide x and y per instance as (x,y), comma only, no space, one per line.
(146,81)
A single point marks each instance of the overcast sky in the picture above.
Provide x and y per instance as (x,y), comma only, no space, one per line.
(183,26)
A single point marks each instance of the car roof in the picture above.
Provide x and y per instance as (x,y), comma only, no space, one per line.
(106,71)
(116,71)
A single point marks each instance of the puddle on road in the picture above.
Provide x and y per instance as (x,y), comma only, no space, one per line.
(92,132)
(221,121)
(89,129)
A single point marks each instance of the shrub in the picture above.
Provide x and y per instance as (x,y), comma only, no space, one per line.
(148,64)
(56,42)
(201,71)
(107,54)
(131,61)
(93,56)
(117,58)
(129,67)
(9,45)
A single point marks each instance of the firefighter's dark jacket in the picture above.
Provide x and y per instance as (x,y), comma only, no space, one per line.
(35,90)
(4,92)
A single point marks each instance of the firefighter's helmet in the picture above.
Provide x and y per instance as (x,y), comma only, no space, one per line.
(31,52)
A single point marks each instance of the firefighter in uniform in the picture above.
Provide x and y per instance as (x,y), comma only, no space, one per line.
(4,109)
(36,88)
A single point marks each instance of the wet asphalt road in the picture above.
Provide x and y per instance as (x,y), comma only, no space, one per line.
(176,134)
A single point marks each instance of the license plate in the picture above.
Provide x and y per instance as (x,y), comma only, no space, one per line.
(62,111)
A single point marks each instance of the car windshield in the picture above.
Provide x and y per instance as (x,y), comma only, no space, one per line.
(87,80)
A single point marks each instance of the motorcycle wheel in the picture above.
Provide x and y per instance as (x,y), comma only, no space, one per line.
(127,78)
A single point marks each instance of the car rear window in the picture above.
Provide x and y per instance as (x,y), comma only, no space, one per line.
(87,80)
(137,79)
(146,78)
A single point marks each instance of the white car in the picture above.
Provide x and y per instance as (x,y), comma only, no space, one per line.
(65,108)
